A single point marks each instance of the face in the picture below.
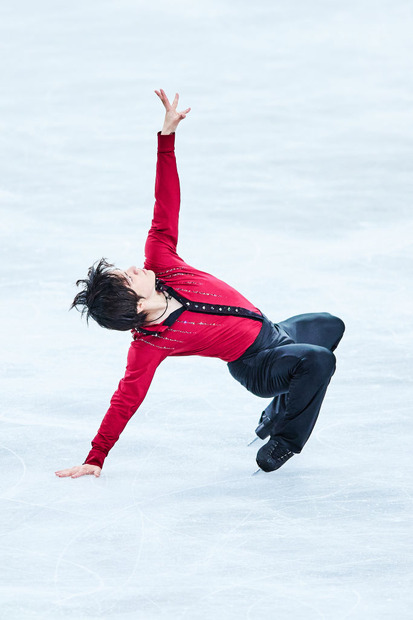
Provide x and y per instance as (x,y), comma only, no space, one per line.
(142,281)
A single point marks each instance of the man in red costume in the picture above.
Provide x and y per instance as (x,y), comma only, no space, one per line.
(174,309)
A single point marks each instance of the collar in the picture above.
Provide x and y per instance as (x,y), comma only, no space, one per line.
(173,316)
(155,330)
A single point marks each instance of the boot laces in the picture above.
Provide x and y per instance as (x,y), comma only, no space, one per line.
(278,452)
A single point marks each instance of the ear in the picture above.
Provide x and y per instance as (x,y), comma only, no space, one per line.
(141,305)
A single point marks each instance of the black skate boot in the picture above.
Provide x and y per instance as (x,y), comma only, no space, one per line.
(268,419)
(263,429)
(272,456)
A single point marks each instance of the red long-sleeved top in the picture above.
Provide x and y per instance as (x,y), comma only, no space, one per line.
(225,337)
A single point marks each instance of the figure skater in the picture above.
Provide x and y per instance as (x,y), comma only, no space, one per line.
(173,309)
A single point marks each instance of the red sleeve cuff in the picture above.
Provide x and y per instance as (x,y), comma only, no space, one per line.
(95,457)
(166,144)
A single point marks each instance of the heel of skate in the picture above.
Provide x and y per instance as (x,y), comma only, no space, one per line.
(263,429)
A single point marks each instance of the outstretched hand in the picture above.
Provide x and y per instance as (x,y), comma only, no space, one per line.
(172,116)
(80,470)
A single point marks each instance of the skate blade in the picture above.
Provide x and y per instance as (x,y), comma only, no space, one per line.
(257,472)
(251,442)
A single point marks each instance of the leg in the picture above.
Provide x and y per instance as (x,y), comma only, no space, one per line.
(322,329)
(308,384)
(302,370)
(308,387)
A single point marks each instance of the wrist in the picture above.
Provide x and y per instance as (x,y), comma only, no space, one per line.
(166,131)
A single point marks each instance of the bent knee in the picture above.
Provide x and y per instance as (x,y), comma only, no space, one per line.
(335,322)
(336,328)
(339,325)
(319,361)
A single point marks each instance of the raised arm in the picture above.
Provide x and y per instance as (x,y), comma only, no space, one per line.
(160,247)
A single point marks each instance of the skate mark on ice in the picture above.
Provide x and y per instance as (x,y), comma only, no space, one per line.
(42,507)
(275,596)
(191,488)
(99,588)
(356,604)
(23,475)
(216,549)
(112,520)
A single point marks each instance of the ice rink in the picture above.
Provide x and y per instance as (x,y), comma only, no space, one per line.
(296,177)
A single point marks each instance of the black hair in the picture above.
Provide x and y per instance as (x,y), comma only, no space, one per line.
(108,299)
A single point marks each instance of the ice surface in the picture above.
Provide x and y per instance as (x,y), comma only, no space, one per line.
(296,176)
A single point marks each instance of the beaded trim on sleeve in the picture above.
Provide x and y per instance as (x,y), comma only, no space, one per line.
(161,273)
(171,339)
(185,290)
(181,331)
(157,346)
(199,323)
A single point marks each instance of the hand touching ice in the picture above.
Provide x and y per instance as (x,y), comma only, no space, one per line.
(172,116)
(80,470)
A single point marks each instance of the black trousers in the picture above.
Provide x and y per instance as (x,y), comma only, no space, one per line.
(292,361)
